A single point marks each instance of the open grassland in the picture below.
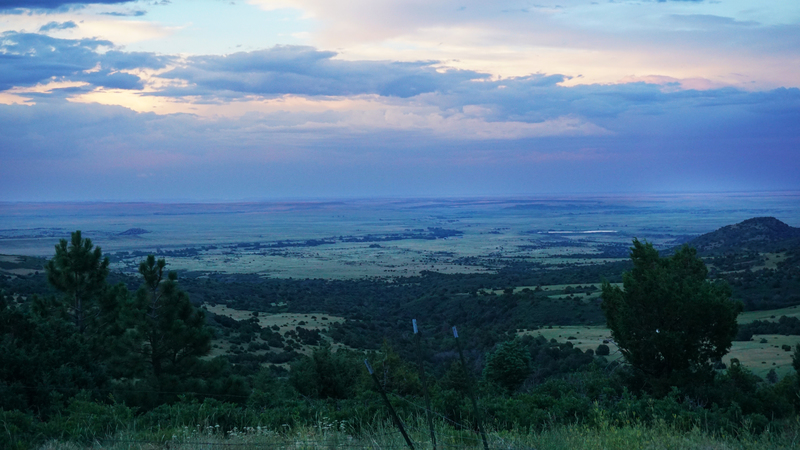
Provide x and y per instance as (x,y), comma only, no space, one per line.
(771,261)
(15,265)
(760,357)
(548,288)
(582,337)
(585,292)
(755,263)
(769,315)
(756,355)
(329,261)
(10,259)
(285,322)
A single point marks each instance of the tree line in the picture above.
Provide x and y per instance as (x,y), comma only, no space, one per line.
(103,338)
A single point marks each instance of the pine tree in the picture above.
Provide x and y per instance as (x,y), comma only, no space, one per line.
(167,330)
(79,270)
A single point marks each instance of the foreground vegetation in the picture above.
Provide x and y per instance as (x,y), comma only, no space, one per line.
(602,435)
(95,365)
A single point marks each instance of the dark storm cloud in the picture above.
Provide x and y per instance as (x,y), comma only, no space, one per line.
(28,59)
(307,71)
(52,4)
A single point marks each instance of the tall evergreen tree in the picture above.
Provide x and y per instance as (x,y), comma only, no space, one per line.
(43,362)
(79,271)
(167,330)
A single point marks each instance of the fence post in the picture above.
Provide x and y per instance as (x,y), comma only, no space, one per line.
(389,405)
(471,390)
(418,338)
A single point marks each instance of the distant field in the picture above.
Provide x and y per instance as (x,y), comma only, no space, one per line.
(20,265)
(760,358)
(285,322)
(586,337)
(756,356)
(547,288)
(22,272)
(769,315)
(771,261)
(550,230)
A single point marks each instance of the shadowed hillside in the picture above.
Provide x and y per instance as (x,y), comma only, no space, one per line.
(759,258)
(760,234)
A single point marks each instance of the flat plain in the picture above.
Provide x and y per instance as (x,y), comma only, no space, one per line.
(382,238)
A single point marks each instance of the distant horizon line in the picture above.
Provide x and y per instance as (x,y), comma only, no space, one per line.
(315,199)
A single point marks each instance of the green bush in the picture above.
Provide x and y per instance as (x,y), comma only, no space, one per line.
(84,420)
(20,431)
(326,374)
(508,365)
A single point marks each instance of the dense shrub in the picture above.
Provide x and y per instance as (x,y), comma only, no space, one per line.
(508,365)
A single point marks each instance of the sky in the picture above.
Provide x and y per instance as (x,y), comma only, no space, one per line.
(211,100)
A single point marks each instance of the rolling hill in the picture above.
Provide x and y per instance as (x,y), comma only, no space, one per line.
(759,234)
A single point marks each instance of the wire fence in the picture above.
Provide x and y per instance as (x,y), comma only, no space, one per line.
(475,438)
(450,433)
(444,441)
(289,444)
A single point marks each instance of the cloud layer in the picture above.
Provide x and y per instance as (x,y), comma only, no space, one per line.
(307,71)
(28,59)
(82,117)
(52,4)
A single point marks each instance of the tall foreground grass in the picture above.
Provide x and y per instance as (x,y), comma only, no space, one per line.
(341,435)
